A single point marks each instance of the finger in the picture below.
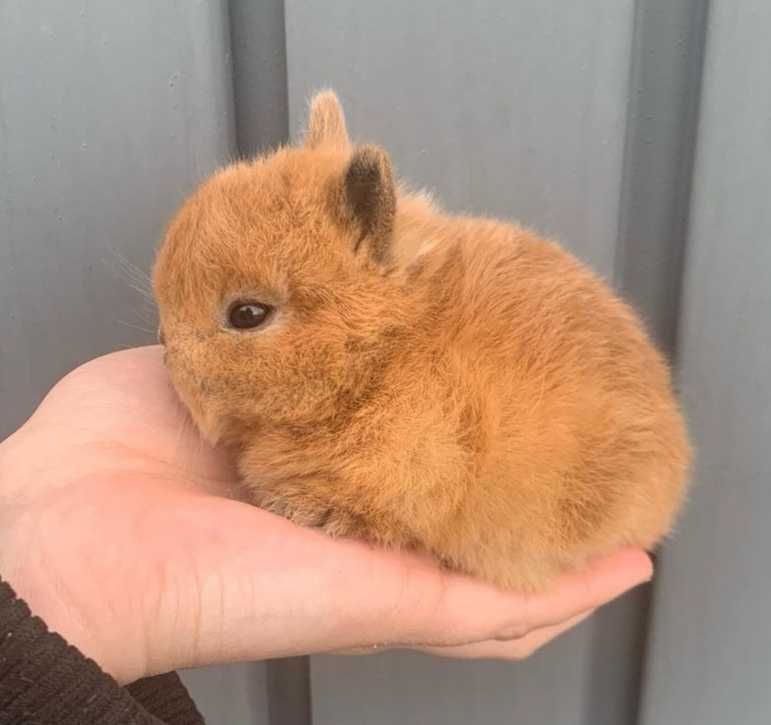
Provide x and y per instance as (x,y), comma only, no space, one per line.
(601,582)
(513,649)
(439,611)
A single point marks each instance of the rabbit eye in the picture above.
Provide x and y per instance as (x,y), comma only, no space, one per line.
(248,315)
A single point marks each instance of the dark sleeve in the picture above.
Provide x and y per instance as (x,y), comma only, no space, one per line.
(167,698)
(43,681)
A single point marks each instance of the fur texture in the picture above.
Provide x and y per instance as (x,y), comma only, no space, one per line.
(448,383)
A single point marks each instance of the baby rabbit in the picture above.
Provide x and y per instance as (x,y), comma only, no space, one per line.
(384,370)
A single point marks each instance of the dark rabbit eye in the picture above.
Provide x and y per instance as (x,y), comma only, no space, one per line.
(248,315)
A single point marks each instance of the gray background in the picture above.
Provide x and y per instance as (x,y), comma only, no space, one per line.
(638,133)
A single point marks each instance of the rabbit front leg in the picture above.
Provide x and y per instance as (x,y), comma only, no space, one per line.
(305,511)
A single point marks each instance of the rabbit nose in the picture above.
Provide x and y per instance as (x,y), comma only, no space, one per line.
(161,337)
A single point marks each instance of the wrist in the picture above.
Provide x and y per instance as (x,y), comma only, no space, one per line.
(32,568)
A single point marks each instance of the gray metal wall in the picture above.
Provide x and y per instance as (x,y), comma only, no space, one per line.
(639,133)
(710,646)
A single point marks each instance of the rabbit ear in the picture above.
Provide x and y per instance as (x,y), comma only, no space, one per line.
(326,122)
(369,200)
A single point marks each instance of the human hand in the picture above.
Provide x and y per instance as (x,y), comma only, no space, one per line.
(123,530)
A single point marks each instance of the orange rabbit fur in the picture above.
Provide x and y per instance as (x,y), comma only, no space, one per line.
(451,384)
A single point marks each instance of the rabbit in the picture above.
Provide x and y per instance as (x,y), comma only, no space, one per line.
(383,370)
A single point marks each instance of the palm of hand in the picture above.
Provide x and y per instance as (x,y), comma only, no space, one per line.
(122,529)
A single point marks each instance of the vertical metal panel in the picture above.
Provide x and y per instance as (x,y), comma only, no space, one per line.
(110,112)
(262,122)
(259,74)
(665,87)
(289,691)
(710,655)
(663,104)
(230,694)
(518,110)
